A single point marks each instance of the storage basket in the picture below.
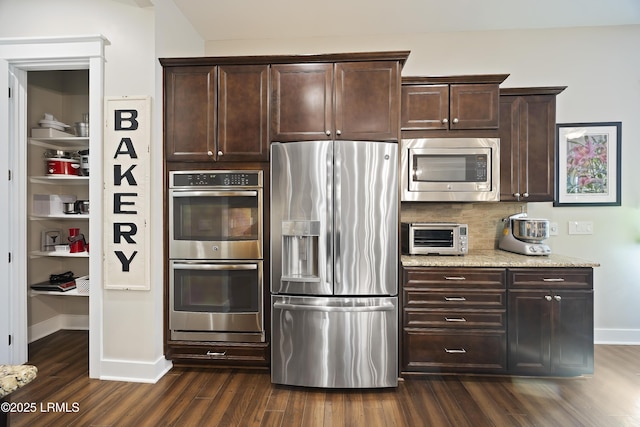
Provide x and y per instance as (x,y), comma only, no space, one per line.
(82,285)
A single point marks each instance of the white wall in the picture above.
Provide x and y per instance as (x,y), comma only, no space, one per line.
(132,324)
(601,68)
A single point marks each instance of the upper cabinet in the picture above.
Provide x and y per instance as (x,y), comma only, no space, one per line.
(527,143)
(346,99)
(216,112)
(451,103)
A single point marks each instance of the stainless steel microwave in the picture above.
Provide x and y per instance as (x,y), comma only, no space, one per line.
(450,170)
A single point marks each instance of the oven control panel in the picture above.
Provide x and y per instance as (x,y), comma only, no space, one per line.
(185,179)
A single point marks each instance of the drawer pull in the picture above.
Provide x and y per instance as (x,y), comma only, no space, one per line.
(455,299)
(559,279)
(455,278)
(455,319)
(216,353)
(455,350)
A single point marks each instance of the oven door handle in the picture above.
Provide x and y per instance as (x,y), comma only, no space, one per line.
(215,193)
(210,266)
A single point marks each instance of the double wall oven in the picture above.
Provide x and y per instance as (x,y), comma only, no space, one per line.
(215,256)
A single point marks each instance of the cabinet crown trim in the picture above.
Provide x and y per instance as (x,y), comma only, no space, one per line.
(400,56)
(522,91)
(477,78)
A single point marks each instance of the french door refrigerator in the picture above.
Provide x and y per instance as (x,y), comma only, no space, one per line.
(334,264)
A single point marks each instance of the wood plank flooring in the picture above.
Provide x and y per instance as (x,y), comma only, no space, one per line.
(65,396)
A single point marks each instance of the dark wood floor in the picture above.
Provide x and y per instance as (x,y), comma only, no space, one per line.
(64,396)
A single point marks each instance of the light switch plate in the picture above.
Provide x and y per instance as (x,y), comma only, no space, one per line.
(580,227)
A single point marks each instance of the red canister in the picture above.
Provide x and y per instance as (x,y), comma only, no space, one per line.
(57,166)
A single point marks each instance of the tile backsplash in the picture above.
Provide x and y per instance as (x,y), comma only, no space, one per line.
(484,219)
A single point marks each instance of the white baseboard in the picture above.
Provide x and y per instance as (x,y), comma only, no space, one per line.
(56,323)
(134,370)
(617,336)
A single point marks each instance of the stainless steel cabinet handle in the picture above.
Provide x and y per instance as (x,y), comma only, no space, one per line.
(516,194)
(334,309)
(455,319)
(455,120)
(557,297)
(209,153)
(547,297)
(525,195)
(327,132)
(558,279)
(455,299)
(220,153)
(338,132)
(455,278)
(445,121)
(455,350)
(215,353)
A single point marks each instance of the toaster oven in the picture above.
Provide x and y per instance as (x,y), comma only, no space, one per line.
(434,238)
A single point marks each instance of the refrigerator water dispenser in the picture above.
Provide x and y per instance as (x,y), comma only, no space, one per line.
(300,250)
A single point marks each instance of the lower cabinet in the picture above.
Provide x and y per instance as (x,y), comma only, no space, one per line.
(454,320)
(550,321)
(249,355)
(521,321)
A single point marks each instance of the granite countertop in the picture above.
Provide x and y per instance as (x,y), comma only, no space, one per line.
(12,377)
(495,258)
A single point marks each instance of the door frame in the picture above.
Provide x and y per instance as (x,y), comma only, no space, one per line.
(17,57)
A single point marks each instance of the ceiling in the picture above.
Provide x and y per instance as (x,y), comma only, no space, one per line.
(284,19)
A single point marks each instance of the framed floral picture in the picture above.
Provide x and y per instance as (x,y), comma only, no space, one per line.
(588,164)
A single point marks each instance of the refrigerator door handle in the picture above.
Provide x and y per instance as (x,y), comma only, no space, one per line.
(334,309)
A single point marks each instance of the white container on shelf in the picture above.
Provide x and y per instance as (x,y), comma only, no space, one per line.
(50,204)
(82,285)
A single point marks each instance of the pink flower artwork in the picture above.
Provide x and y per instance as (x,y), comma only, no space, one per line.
(587,164)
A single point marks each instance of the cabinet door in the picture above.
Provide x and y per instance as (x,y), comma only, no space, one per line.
(301,102)
(425,107)
(529,332)
(243,129)
(367,101)
(572,343)
(474,106)
(527,148)
(189,113)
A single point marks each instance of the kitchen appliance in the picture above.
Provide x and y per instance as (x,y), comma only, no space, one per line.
(334,264)
(84,162)
(216,300)
(434,238)
(215,249)
(524,235)
(76,241)
(50,239)
(450,170)
(215,214)
(62,166)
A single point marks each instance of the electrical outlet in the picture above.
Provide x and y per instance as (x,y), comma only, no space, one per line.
(553,229)
(580,227)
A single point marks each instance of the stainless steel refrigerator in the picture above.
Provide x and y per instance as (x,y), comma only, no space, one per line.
(334,264)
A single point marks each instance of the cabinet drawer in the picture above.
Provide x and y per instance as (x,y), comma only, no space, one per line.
(551,278)
(463,351)
(438,278)
(220,354)
(457,319)
(454,298)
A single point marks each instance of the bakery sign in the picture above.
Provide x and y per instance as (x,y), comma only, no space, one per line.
(127,139)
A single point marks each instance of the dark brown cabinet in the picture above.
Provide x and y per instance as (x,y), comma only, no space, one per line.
(343,100)
(451,103)
(454,320)
(216,113)
(550,321)
(527,143)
